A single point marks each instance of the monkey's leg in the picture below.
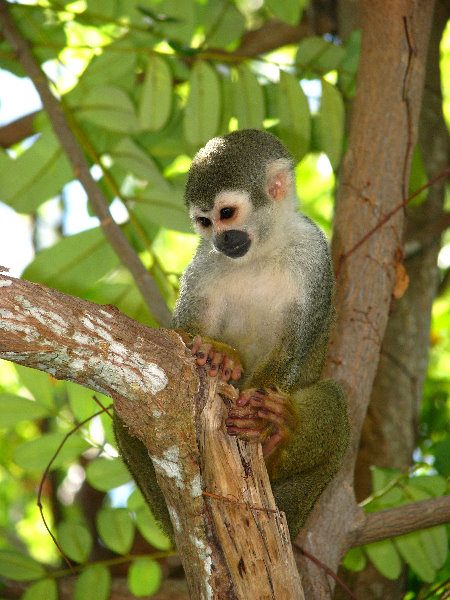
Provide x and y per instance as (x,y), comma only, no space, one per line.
(314,454)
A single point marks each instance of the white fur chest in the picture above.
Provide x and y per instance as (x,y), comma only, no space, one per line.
(246,309)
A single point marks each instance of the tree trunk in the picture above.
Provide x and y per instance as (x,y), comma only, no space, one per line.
(374,181)
(389,432)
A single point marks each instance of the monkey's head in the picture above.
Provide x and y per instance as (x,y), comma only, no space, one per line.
(240,188)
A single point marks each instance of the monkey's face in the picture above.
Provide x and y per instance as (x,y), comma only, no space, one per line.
(227,224)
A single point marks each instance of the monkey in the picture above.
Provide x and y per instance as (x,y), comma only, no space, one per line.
(256,307)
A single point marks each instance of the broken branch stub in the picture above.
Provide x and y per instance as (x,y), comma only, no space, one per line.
(252,532)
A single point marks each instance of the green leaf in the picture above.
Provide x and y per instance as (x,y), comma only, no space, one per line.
(150,529)
(224,23)
(74,264)
(294,127)
(146,522)
(180,21)
(131,157)
(418,178)
(35,455)
(289,12)
(19,567)
(248,99)
(164,210)
(14,409)
(116,529)
(81,400)
(109,106)
(202,112)
(411,549)
(442,456)
(42,590)
(108,67)
(434,485)
(382,477)
(39,384)
(105,474)
(94,583)
(37,175)
(385,558)
(355,560)
(319,54)
(144,577)
(75,540)
(156,97)
(331,123)
(349,66)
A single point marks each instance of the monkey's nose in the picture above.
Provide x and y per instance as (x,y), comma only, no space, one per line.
(233,243)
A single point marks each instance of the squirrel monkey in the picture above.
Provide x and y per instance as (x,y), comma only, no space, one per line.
(256,306)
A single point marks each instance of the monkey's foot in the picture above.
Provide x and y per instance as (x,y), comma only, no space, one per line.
(216,354)
(265,416)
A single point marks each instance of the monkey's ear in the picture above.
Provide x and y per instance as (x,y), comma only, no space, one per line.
(279,179)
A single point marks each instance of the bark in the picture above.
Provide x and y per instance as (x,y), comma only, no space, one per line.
(374,180)
(233,542)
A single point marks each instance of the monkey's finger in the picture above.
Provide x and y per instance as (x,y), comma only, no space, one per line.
(237,371)
(242,412)
(276,407)
(216,361)
(279,421)
(244,423)
(271,444)
(196,343)
(203,353)
(227,368)
(245,396)
(250,435)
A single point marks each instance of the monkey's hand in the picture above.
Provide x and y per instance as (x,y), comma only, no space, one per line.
(217,354)
(267,416)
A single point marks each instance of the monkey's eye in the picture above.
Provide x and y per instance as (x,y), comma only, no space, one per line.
(227,212)
(204,221)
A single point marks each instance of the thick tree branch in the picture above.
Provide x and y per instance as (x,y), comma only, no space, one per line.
(403,519)
(81,168)
(180,420)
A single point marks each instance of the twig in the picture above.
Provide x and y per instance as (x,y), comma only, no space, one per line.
(44,477)
(391,484)
(406,100)
(327,570)
(112,231)
(387,217)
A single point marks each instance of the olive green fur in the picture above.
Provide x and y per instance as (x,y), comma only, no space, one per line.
(135,456)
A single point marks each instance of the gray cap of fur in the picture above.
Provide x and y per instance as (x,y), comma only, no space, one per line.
(236,161)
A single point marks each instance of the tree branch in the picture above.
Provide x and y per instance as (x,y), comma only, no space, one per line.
(404,519)
(17,130)
(112,231)
(228,549)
